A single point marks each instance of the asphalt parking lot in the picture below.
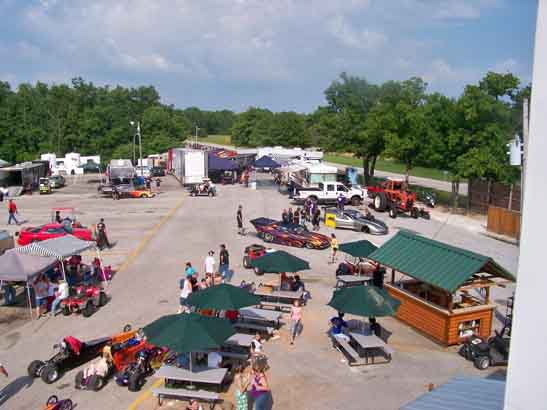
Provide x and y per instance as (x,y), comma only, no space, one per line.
(155,237)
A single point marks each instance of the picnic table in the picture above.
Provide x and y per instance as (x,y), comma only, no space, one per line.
(240,339)
(199,374)
(260,315)
(369,343)
(278,299)
(343,281)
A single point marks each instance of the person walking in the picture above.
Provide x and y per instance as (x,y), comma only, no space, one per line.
(296,320)
(186,290)
(210,263)
(260,388)
(315,219)
(12,210)
(239,218)
(61,294)
(41,287)
(341,201)
(241,380)
(334,246)
(102,238)
(224,263)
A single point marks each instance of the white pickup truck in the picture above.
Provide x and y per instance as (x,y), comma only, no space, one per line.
(328,192)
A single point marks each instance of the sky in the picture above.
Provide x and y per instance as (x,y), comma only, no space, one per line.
(276,54)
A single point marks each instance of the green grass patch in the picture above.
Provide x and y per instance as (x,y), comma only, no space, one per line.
(387,165)
(215,139)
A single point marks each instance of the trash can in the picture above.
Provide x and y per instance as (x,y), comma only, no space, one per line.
(330,220)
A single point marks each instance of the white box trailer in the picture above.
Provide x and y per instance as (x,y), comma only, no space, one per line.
(189,166)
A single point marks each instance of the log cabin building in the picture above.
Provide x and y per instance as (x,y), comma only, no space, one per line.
(444,290)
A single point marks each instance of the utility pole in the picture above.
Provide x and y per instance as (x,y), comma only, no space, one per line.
(197,130)
(140,145)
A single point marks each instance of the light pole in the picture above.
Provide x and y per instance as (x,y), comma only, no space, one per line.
(140,143)
(197,130)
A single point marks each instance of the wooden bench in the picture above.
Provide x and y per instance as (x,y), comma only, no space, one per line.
(180,394)
(234,355)
(345,348)
(254,326)
(275,305)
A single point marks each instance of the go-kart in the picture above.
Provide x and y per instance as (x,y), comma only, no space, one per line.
(493,352)
(85,300)
(72,353)
(147,360)
(204,189)
(53,403)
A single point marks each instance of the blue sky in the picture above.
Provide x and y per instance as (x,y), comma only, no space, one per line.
(278,54)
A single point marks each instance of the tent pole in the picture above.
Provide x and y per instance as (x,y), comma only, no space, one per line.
(98,252)
(29,301)
(63,268)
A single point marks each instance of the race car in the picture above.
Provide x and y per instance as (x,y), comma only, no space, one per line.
(353,219)
(49,231)
(72,353)
(147,360)
(289,234)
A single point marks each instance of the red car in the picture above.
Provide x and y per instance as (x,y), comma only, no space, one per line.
(49,231)
(289,234)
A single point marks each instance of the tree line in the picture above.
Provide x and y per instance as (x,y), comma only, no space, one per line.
(89,119)
(465,136)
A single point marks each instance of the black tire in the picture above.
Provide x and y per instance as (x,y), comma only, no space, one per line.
(135,381)
(425,215)
(66,311)
(52,399)
(88,310)
(393,212)
(95,382)
(309,245)
(34,367)
(211,193)
(66,405)
(356,201)
(246,262)
(258,272)
(482,362)
(365,229)
(127,328)
(50,374)
(103,300)
(268,237)
(78,379)
(380,201)
(414,212)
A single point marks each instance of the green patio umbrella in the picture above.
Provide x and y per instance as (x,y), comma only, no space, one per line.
(358,249)
(223,297)
(279,261)
(188,332)
(364,301)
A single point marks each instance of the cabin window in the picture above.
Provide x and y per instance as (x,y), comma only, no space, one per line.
(341,188)
(468,328)
(330,188)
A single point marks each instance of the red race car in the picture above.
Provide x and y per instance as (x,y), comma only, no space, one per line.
(49,231)
(289,234)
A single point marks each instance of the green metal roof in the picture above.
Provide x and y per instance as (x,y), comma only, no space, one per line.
(436,263)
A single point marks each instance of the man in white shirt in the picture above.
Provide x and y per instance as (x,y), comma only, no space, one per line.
(61,294)
(214,360)
(210,263)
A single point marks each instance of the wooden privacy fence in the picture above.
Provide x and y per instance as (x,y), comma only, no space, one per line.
(483,194)
(503,221)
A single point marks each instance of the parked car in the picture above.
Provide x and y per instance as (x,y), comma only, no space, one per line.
(57,181)
(142,171)
(328,192)
(44,185)
(157,172)
(289,234)
(49,231)
(354,219)
(130,191)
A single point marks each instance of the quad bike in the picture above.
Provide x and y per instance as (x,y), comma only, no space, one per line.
(493,352)
(393,196)
(71,353)
(147,361)
(86,300)
(53,403)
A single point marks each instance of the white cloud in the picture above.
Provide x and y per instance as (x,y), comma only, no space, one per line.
(440,72)
(509,65)
(452,9)
(354,38)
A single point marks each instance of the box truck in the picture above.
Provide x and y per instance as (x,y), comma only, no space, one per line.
(189,166)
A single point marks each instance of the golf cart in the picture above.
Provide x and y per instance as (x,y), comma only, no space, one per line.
(45,187)
(206,188)
(493,352)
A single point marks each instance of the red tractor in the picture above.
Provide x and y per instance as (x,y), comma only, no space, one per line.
(393,195)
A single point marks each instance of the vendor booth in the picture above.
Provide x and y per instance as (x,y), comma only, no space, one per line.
(61,248)
(444,290)
(17,267)
(221,169)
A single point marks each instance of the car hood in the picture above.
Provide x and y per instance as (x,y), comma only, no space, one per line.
(375,224)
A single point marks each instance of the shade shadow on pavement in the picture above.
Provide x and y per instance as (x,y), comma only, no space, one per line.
(16,386)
